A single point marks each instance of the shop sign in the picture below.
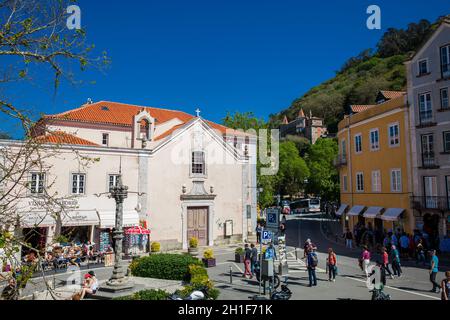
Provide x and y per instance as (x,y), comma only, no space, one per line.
(41,204)
(78,218)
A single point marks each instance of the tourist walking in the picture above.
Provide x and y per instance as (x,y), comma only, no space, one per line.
(385,260)
(434,269)
(247,261)
(258,233)
(395,258)
(311,262)
(445,285)
(420,252)
(404,245)
(348,238)
(332,265)
(254,257)
(365,259)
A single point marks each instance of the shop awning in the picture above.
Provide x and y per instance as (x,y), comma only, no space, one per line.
(355,210)
(137,230)
(392,214)
(36,219)
(372,212)
(80,218)
(341,209)
(108,219)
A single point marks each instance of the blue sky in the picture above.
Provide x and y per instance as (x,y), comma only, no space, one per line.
(220,55)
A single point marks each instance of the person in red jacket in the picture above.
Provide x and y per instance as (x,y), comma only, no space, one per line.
(331,262)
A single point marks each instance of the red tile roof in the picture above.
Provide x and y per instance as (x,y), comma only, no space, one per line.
(392,94)
(59,137)
(360,107)
(120,114)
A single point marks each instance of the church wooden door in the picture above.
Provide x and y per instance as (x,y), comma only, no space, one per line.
(197,224)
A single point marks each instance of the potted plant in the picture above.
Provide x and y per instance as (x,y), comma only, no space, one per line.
(193,247)
(208,258)
(239,255)
(155,247)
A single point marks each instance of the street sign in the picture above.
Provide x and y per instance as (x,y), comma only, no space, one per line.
(273,218)
(266,236)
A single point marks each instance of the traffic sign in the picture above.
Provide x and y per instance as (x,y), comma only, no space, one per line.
(266,236)
(273,218)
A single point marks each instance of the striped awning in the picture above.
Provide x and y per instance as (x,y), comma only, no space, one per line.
(355,210)
(392,214)
(341,209)
(372,212)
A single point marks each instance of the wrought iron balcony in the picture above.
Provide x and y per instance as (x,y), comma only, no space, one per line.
(429,160)
(341,160)
(431,202)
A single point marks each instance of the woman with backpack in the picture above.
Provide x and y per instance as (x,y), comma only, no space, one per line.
(312,262)
(331,262)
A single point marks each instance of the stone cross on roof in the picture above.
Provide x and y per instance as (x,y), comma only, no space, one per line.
(197,111)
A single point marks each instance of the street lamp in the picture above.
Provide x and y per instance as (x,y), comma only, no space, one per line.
(118,280)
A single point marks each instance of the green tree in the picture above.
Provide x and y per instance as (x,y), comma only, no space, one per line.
(324,177)
(243,121)
(246,121)
(293,171)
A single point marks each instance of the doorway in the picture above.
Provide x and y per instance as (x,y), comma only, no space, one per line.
(197,224)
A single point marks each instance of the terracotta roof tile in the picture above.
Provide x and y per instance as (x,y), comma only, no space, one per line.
(120,114)
(392,94)
(59,137)
(360,107)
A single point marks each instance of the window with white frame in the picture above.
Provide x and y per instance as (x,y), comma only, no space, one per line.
(112,180)
(198,163)
(374,139)
(37,182)
(376,181)
(358,143)
(344,183)
(446,137)
(445,61)
(396,180)
(78,183)
(394,135)
(423,67)
(359,182)
(425,107)
(105,139)
(444,98)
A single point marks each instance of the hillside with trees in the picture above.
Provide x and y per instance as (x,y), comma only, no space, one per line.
(361,77)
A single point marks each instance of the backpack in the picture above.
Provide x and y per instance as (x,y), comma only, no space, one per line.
(314,260)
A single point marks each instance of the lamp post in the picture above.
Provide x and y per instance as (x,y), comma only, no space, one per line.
(118,281)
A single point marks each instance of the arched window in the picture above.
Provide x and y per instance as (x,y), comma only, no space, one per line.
(145,129)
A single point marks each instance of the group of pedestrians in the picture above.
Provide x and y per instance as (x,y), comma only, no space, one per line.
(250,260)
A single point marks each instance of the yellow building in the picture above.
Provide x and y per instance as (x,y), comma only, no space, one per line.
(374,164)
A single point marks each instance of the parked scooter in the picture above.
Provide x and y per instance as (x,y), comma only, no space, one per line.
(283,294)
(201,294)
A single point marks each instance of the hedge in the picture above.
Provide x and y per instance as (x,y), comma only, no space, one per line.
(164,266)
(146,295)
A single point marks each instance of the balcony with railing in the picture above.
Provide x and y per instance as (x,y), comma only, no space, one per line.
(429,160)
(341,160)
(426,118)
(431,203)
